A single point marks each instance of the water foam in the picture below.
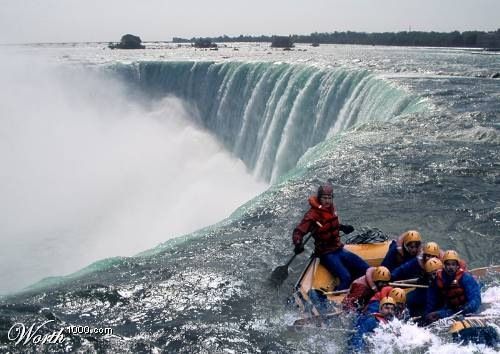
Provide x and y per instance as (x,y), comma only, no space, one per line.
(398,337)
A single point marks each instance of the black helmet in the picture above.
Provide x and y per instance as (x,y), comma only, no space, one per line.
(325,189)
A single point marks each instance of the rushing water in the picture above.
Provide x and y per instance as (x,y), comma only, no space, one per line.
(408,136)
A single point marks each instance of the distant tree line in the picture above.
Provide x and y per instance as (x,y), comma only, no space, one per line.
(474,39)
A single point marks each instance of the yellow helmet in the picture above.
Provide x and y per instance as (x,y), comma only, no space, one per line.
(431,248)
(411,236)
(433,264)
(451,256)
(386,300)
(399,295)
(381,274)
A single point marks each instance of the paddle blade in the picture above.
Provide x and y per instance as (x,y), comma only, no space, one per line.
(279,275)
(317,320)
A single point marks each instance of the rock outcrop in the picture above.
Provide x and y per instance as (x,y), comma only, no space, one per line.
(281,42)
(128,41)
(204,43)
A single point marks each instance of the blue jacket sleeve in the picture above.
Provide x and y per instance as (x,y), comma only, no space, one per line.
(432,298)
(472,294)
(372,306)
(364,325)
(407,270)
(445,312)
(390,259)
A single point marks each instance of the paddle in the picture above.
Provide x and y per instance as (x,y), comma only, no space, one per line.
(481,317)
(316,319)
(279,274)
(483,271)
(477,272)
(412,280)
(336,292)
(405,285)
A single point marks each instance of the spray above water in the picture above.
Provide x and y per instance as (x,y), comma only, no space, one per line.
(270,114)
(398,337)
(87,173)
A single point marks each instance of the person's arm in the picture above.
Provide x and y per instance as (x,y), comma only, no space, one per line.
(302,228)
(369,278)
(389,260)
(365,324)
(356,291)
(432,295)
(472,294)
(347,229)
(404,271)
(373,306)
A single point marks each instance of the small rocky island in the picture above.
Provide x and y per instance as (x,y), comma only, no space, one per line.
(204,43)
(128,41)
(282,42)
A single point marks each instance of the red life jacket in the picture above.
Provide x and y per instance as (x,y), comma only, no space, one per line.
(454,294)
(381,294)
(360,291)
(325,224)
(380,317)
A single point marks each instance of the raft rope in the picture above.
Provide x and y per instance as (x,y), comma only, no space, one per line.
(366,237)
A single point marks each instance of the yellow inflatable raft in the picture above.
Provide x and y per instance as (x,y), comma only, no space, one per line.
(317,277)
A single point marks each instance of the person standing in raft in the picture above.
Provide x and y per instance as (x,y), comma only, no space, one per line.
(323,222)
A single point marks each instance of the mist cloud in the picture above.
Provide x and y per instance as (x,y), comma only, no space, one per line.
(86,173)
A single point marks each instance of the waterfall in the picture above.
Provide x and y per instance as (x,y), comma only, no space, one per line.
(269,114)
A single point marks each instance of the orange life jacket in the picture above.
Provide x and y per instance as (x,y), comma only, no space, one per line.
(326,226)
(454,293)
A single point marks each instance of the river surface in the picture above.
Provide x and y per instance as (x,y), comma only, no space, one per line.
(200,163)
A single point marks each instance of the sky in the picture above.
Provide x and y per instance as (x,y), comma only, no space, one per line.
(30,21)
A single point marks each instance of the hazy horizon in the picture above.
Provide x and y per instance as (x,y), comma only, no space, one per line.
(170,40)
(54,21)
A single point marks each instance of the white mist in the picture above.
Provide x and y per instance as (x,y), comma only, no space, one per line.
(86,174)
